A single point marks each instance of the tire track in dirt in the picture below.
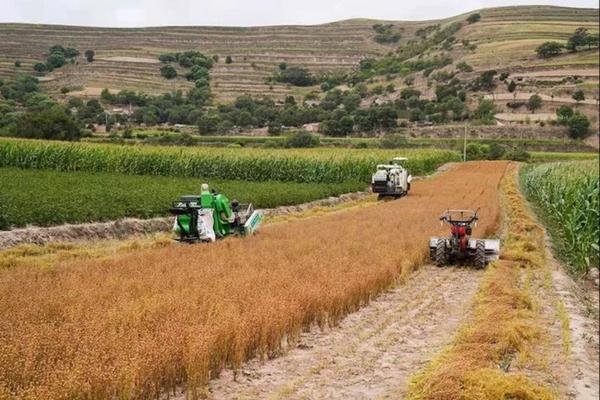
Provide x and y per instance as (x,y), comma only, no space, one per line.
(372,353)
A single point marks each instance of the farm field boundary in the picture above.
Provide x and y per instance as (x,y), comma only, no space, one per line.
(516,341)
(142,323)
(127,227)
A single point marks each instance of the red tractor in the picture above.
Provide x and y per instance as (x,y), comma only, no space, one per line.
(459,247)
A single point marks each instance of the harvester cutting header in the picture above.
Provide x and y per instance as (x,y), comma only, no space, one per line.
(391,180)
(212,216)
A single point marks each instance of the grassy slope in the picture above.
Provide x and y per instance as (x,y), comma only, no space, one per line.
(73,197)
(505,37)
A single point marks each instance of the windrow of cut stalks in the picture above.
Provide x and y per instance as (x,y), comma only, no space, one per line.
(286,165)
(139,324)
(566,195)
(490,358)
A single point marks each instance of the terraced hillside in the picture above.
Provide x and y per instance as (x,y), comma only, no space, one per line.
(127,58)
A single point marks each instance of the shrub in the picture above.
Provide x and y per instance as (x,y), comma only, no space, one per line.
(534,103)
(564,113)
(296,76)
(301,139)
(168,72)
(17,64)
(393,141)
(517,154)
(89,55)
(549,49)
(473,18)
(228,60)
(578,96)
(578,125)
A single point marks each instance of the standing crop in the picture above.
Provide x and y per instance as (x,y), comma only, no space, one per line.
(567,196)
(298,165)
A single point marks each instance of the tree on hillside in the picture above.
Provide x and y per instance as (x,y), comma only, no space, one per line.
(579,38)
(485,111)
(549,49)
(89,55)
(40,67)
(473,18)
(534,103)
(578,96)
(168,72)
(215,58)
(592,40)
(578,125)
(512,86)
(17,63)
(228,60)
(564,113)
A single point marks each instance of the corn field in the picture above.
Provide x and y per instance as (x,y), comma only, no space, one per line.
(567,196)
(298,165)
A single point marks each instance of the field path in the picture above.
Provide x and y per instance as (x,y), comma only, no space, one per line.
(372,353)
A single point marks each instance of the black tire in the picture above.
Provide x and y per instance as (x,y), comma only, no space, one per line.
(479,261)
(407,187)
(440,253)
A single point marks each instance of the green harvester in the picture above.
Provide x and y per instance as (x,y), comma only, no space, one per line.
(211,216)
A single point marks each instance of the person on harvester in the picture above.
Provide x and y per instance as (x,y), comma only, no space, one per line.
(223,214)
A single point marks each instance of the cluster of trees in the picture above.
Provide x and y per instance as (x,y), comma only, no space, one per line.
(386,34)
(577,123)
(26,112)
(57,57)
(579,39)
(296,76)
(198,64)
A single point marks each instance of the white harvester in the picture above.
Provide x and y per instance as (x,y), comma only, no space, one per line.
(391,180)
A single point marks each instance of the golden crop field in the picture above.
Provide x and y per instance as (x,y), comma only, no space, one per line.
(139,324)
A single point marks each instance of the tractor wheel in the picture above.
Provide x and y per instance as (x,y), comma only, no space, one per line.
(440,253)
(480,254)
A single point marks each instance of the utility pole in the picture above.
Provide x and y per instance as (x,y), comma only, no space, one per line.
(465,145)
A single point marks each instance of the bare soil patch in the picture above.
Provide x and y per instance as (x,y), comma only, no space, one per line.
(372,353)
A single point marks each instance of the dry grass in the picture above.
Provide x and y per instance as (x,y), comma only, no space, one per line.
(484,360)
(135,325)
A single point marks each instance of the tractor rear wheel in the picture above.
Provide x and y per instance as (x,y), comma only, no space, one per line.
(480,254)
(440,253)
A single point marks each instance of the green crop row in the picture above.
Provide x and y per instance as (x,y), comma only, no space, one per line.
(320,165)
(566,195)
(44,198)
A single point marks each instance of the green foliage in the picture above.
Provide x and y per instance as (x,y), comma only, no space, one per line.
(296,76)
(512,86)
(578,96)
(228,60)
(89,55)
(301,139)
(385,34)
(464,67)
(486,110)
(549,49)
(393,141)
(473,18)
(485,82)
(534,102)
(168,72)
(54,123)
(517,154)
(17,64)
(40,67)
(77,197)
(319,165)
(566,195)
(579,125)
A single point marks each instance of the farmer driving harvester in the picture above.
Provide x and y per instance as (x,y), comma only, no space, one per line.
(211,216)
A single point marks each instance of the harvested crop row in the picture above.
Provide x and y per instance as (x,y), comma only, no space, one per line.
(566,195)
(309,165)
(75,197)
(139,324)
(490,357)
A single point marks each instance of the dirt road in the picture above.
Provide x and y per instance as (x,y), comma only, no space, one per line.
(372,353)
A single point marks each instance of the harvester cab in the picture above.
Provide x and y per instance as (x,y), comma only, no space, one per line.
(212,216)
(459,246)
(391,180)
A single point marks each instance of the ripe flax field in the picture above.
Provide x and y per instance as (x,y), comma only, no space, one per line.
(139,324)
